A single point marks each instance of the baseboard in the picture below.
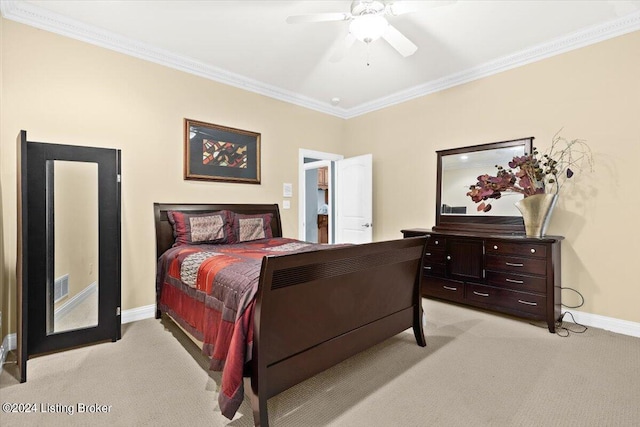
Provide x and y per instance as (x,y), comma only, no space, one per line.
(139,313)
(75,301)
(10,343)
(619,326)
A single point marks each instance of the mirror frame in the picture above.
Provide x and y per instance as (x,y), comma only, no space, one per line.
(478,223)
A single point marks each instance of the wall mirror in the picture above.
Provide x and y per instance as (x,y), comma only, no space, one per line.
(458,169)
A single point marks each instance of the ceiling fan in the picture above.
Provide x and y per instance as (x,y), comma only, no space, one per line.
(368,22)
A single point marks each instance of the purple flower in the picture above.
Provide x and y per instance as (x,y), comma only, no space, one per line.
(528,174)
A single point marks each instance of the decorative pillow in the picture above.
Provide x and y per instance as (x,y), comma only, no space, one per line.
(201,228)
(252,227)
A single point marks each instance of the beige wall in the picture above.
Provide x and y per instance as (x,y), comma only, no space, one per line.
(594,94)
(65,91)
(4,278)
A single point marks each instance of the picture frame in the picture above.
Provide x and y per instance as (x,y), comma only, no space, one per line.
(220,153)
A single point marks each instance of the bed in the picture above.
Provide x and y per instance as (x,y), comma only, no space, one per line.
(307,308)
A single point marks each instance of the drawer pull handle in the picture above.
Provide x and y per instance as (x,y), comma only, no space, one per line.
(515,281)
(427,268)
(449,257)
(513,264)
(427,254)
(480,294)
(533,251)
(527,302)
(495,247)
(436,242)
(449,288)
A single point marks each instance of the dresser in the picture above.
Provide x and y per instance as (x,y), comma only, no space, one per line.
(510,274)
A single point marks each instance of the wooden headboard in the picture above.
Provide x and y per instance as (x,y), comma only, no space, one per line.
(164,230)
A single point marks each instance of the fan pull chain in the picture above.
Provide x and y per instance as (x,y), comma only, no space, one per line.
(368,54)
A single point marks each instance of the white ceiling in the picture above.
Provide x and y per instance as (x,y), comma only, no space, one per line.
(248,44)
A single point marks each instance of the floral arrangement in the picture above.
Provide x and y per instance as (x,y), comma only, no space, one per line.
(534,174)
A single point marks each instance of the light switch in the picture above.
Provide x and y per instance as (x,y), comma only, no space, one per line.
(287,189)
(286,204)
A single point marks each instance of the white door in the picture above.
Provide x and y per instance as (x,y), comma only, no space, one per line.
(354,198)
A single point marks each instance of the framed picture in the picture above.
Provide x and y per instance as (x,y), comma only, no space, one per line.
(220,153)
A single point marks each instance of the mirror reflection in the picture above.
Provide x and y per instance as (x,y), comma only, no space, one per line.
(459,171)
(73,295)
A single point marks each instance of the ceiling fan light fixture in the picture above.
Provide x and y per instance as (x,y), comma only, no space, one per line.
(368,28)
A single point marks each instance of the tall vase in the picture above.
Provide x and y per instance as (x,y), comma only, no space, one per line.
(536,212)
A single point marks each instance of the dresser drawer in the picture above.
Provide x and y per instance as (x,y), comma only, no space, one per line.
(513,300)
(515,249)
(442,288)
(516,282)
(436,256)
(436,242)
(516,265)
(429,269)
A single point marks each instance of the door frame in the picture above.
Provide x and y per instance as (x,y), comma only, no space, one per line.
(316,155)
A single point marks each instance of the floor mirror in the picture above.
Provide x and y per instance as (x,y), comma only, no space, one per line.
(68,247)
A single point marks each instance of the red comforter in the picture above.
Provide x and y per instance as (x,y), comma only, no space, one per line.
(209,290)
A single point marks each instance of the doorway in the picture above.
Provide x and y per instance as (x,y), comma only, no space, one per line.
(316,196)
(336,198)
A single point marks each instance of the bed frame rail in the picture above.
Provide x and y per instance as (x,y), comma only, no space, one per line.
(314,310)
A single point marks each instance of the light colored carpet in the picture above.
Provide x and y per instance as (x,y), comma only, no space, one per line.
(478,369)
(83,315)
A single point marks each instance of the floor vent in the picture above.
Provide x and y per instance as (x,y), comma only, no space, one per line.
(61,288)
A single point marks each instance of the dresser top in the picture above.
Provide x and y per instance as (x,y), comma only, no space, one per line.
(476,234)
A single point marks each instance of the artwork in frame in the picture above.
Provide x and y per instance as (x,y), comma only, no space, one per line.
(220,153)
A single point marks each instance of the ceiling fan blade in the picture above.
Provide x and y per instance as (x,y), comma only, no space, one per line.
(337,56)
(399,42)
(400,8)
(318,17)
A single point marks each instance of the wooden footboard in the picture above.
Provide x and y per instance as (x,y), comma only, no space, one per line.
(314,310)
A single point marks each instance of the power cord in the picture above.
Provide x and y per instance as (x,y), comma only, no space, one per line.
(579,294)
(564,331)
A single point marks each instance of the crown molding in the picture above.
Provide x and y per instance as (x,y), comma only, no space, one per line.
(43,19)
(34,16)
(576,40)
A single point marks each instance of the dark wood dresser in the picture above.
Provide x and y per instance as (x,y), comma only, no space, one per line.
(511,274)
